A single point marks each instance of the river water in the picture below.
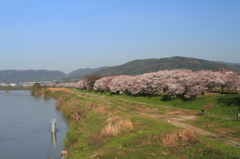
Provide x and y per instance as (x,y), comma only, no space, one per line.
(25,127)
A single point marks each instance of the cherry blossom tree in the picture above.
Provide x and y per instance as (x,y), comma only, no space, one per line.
(181,82)
(150,83)
(80,84)
(232,81)
(89,81)
(177,82)
(103,84)
(120,84)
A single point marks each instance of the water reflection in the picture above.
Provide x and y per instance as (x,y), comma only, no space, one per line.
(53,138)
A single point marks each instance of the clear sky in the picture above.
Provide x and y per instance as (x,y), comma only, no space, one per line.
(68,35)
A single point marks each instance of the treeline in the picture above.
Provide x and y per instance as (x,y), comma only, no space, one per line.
(14,88)
(38,90)
(181,82)
(16,76)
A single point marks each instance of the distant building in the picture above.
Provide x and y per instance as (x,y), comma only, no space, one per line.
(3,84)
(13,84)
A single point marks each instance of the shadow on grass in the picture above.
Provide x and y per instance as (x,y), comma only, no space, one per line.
(229,101)
(228,93)
(166,98)
(144,95)
(161,97)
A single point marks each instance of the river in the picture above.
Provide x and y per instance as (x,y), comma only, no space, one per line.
(25,127)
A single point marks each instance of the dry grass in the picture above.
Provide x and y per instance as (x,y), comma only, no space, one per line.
(60,102)
(79,114)
(115,126)
(72,108)
(175,113)
(211,125)
(114,119)
(91,105)
(60,89)
(113,129)
(179,135)
(109,130)
(102,110)
(145,109)
(149,139)
(124,125)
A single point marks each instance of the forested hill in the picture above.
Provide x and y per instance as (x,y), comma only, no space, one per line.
(153,65)
(84,71)
(15,76)
(79,74)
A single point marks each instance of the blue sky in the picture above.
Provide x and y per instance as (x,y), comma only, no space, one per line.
(68,35)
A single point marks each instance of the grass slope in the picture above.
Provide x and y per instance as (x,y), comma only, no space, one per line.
(224,104)
(102,129)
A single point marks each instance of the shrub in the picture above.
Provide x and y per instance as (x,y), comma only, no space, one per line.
(208,107)
(46,92)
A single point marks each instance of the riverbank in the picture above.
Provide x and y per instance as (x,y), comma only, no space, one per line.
(14,88)
(123,129)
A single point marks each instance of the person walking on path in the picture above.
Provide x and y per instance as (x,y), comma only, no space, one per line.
(202,110)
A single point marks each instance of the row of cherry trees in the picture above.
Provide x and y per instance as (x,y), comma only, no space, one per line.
(172,82)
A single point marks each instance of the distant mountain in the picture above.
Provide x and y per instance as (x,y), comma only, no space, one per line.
(153,65)
(15,76)
(80,73)
(84,71)
(227,63)
(130,68)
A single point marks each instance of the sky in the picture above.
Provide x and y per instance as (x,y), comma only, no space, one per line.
(69,35)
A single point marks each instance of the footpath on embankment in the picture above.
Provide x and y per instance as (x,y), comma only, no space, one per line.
(175,118)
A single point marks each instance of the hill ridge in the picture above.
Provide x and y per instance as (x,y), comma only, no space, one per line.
(137,67)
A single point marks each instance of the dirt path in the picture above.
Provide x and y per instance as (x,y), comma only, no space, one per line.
(174,122)
(92,97)
(106,101)
(152,104)
(219,116)
(79,94)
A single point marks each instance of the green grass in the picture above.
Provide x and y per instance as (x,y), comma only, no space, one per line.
(219,125)
(55,94)
(224,104)
(144,141)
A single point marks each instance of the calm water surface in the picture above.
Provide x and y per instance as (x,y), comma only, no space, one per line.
(25,127)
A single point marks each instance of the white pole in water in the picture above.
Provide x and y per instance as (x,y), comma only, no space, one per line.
(53,125)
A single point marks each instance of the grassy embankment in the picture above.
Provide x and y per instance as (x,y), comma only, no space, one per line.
(223,105)
(116,130)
